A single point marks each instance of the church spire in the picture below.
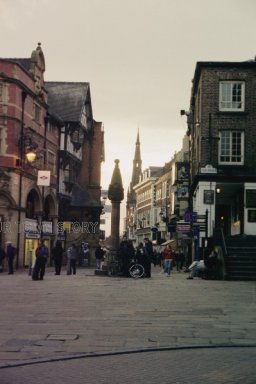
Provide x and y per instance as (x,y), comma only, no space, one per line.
(136,170)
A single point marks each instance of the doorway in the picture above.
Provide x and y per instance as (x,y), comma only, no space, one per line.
(223,218)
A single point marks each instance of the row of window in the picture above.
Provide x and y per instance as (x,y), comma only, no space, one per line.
(231,99)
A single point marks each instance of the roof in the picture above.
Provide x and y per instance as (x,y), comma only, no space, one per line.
(219,64)
(67,99)
(24,63)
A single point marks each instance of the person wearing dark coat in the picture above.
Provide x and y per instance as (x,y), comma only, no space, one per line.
(57,255)
(149,253)
(10,254)
(126,253)
(99,256)
(142,258)
(42,254)
(2,256)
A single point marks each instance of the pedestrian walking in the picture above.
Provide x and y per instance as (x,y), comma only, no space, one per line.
(168,257)
(2,257)
(42,254)
(72,259)
(57,256)
(99,255)
(10,254)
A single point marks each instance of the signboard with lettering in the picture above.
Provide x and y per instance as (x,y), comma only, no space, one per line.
(208,196)
(208,169)
(183,227)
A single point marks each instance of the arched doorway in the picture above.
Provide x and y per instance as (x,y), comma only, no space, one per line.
(32,205)
(32,230)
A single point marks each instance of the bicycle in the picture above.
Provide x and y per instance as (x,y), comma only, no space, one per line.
(136,270)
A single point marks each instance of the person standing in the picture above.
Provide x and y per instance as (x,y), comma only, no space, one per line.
(72,258)
(10,254)
(2,256)
(168,257)
(179,260)
(149,256)
(57,255)
(99,255)
(126,253)
(141,257)
(42,254)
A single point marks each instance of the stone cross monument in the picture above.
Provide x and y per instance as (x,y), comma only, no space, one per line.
(115,195)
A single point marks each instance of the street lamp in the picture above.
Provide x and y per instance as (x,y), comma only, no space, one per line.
(31,156)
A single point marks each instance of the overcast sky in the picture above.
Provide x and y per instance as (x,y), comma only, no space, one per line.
(139,57)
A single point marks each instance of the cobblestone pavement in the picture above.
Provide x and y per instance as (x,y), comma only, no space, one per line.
(69,322)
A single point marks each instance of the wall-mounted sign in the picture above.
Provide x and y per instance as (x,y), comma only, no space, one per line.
(182,192)
(208,169)
(208,196)
(182,171)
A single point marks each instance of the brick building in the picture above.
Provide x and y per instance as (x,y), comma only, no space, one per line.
(221,128)
(54,121)
(28,210)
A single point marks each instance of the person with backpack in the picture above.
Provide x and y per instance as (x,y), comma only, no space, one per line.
(42,254)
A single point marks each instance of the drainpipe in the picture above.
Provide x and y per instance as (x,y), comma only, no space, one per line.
(23,98)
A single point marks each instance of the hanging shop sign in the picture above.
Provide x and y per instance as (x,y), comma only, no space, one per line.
(44,178)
